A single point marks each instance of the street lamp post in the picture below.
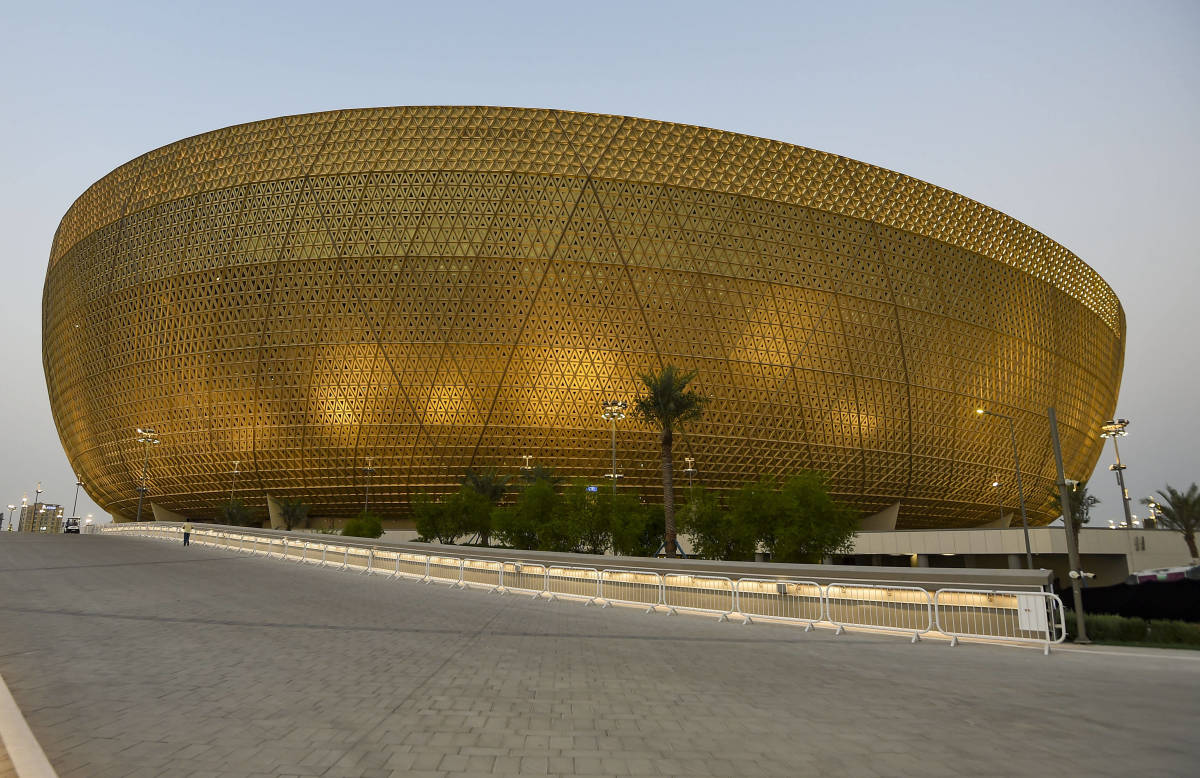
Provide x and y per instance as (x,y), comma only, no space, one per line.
(11,508)
(237,463)
(34,513)
(369,470)
(147,437)
(78,483)
(614,410)
(1012,431)
(1114,429)
(690,470)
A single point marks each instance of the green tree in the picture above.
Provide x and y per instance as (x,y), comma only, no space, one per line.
(812,524)
(717,533)
(294,513)
(364,525)
(238,514)
(468,512)
(1180,511)
(432,521)
(522,524)
(580,523)
(476,516)
(636,529)
(667,404)
(1082,503)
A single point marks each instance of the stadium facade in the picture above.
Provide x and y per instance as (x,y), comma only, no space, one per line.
(380,299)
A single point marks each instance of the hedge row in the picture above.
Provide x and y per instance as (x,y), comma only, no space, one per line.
(1105,627)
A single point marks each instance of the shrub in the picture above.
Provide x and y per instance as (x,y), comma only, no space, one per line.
(364,525)
(1178,632)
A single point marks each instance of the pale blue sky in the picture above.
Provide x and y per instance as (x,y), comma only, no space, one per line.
(1079,119)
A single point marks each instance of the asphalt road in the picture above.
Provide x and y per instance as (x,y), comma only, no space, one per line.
(133,657)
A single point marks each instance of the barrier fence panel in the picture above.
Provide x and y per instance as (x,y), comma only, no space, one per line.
(1025,617)
(358,558)
(412,565)
(772,598)
(704,593)
(907,609)
(483,572)
(580,583)
(636,587)
(523,577)
(445,568)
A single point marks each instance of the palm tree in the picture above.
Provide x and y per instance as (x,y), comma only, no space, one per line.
(1081,505)
(1180,511)
(492,487)
(539,473)
(489,483)
(668,403)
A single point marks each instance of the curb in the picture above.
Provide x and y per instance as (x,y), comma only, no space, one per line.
(26,755)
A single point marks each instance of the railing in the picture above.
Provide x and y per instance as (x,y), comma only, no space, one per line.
(958,614)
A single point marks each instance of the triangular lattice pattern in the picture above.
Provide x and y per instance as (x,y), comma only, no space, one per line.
(442,288)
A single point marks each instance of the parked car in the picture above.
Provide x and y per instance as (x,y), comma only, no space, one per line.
(71,525)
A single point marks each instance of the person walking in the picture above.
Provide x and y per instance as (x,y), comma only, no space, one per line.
(187,533)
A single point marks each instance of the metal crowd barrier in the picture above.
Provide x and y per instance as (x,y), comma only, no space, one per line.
(997,616)
(1025,617)
(907,609)
(780,600)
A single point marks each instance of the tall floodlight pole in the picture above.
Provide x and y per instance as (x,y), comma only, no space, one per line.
(369,470)
(36,494)
(1012,431)
(78,483)
(1064,504)
(1115,428)
(614,410)
(690,470)
(237,463)
(147,437)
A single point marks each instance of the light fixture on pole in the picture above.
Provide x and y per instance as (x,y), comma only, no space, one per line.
(528,458)
(148,438)
(369,470)
(1115,428)
(11,509)
(78,483)
(237,463)
(690,470)
(1012,431)
(613,411)
(33,515)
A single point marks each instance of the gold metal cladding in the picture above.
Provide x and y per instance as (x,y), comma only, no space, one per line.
(449,287)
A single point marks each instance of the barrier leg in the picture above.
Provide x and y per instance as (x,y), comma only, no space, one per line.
(839,630)
(953,641)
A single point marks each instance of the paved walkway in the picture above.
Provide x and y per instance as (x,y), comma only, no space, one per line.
(132,657)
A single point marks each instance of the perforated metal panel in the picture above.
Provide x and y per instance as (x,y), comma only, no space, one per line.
(451,287)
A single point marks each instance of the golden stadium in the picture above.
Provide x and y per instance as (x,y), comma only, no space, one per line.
(326,305)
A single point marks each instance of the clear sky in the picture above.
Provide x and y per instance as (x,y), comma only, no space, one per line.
(1081,119)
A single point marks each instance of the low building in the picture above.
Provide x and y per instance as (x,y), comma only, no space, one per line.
(1111,554)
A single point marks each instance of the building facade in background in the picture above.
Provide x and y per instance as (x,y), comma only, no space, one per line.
(320,305)
(47,517)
